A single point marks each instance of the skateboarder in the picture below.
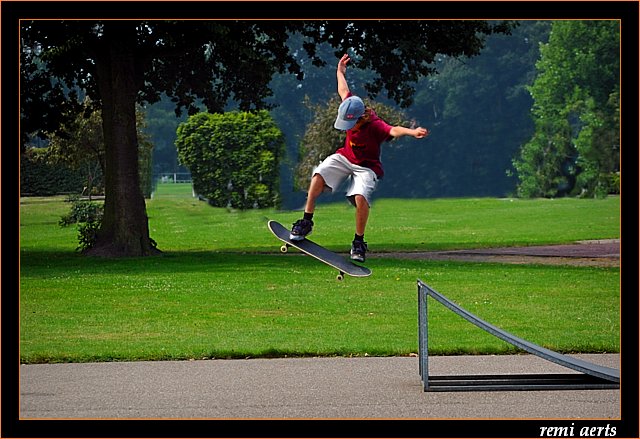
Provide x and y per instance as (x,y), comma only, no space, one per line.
(359,159)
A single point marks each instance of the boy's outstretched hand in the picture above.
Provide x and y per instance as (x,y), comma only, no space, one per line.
(342,64)
(420,132)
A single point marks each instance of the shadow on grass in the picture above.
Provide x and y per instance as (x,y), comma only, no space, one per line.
(34,263)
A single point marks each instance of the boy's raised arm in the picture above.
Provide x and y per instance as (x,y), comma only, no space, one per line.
(343,88)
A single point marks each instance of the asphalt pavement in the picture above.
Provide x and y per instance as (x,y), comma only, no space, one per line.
(301,388)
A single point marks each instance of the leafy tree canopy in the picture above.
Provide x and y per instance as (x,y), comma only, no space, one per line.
(575,146)
(219,61)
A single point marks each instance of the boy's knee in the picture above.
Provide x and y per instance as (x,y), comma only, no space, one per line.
(317,178)
(361,201)
(317,185)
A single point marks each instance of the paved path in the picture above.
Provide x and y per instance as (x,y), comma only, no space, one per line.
(300,388)
(603,253)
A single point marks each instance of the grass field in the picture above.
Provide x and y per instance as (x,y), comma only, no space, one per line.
(221,289)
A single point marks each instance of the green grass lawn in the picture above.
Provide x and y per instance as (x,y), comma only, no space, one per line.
(221,289)
(394,224)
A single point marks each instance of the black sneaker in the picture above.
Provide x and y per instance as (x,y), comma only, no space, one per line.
(358,251)
(301,229)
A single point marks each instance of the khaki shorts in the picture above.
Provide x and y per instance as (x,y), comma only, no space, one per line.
(336,169)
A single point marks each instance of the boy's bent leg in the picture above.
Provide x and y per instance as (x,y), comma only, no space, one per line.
(362,214)
(327,176)
(316,187)
(303,227)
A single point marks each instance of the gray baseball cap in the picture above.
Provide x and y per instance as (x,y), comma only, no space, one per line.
(350,110)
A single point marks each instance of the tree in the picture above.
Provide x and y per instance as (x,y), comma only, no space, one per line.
(575,147)
(478,111)
(79,144)
(119,63)
(232,157)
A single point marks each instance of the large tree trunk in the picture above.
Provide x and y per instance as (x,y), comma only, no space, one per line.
(125,228)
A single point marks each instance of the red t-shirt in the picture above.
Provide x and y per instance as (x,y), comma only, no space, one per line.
(362,147)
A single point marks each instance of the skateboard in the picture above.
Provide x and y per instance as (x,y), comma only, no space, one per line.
(344,266)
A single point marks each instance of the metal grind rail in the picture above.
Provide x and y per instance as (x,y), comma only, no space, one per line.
(592,376)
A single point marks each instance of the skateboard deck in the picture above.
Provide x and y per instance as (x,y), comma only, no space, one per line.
(344,266)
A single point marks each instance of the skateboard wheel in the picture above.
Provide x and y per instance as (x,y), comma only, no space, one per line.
(340,276)
(284,248)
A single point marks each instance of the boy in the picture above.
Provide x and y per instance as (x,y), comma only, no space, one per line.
(359,159)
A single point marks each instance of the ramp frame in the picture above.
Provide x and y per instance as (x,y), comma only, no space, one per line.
(591,376)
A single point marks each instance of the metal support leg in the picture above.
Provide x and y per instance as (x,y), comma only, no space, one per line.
(423,337)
